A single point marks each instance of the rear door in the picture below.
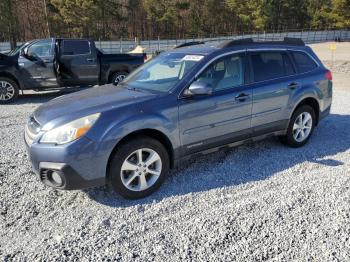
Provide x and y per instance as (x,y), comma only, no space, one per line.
(77,63)
(36,68)
(273,77)
(222,117)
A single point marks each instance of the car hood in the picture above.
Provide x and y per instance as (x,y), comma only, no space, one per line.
(94,100)
(6,60)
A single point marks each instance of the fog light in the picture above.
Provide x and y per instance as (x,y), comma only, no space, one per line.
(56,178)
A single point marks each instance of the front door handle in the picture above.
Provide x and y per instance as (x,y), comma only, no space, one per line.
(242,97)
(293,85)
(90,60)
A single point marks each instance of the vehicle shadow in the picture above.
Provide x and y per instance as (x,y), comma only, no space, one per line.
(248,163)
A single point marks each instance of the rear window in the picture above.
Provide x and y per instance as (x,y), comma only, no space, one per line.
(271,65)
(76,47)
(303,62)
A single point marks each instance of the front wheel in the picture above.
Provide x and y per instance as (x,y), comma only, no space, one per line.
(8,90)
(301,127)
(139,167)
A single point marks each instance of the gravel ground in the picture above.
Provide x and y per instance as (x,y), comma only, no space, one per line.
(261,201)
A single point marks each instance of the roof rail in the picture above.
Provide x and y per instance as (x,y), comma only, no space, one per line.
(190,44)
(251,41)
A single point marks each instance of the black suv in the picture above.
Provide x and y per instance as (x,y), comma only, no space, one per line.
(51,63)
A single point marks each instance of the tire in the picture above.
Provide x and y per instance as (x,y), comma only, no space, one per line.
(132,179)
(118,77)
(9,90)
(294,136)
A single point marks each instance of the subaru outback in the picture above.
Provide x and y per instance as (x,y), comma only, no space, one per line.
(188,101)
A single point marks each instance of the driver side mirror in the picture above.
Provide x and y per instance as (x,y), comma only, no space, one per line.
(199,88)
(25,53)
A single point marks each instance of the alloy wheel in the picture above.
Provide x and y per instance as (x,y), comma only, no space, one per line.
(7,91)
(119,78)
(302,127)
(141,169)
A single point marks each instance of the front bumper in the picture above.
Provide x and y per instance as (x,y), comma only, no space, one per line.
(65,177)
(77,165)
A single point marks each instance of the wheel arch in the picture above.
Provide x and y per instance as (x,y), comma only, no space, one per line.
(12,77)
(310,101)
(153,133)
(112,72)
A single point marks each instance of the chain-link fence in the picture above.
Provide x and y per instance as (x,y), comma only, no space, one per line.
(152,46)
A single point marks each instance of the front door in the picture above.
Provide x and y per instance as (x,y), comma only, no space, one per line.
(222,117)
(77,63)
(36,67)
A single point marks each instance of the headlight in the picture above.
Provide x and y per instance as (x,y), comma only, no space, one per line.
(69,132)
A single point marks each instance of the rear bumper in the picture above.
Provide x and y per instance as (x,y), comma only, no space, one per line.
(325,113)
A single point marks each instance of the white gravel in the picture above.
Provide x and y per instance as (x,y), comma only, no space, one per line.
(262,201)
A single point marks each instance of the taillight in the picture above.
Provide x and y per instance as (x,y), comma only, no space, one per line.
(328,75)
(145,57)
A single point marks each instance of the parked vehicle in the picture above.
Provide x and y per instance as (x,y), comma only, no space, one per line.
(188,101)
(52,63)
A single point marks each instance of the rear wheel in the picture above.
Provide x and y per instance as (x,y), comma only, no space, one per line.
(301,127)
(118,77)
(8,90)
(139,167)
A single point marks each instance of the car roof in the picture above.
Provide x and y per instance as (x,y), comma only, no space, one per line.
(240,44)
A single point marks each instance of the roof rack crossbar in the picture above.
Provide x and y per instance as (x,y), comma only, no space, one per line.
(251,41)
(190,44)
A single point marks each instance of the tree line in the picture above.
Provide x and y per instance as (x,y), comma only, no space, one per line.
(21,20)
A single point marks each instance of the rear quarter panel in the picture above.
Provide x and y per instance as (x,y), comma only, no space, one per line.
(313,85)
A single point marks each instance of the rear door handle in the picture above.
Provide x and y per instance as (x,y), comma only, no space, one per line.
(90,60)
(293,85)
(242,97)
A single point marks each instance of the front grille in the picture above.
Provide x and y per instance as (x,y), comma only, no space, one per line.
(32,129)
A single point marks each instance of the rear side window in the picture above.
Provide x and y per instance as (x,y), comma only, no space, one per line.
(76,47)
(288,66)
(303,62)
(271,65)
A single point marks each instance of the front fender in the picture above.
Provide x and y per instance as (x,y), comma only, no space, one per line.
(112,132)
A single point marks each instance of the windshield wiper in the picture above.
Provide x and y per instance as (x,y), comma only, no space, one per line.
(135,89)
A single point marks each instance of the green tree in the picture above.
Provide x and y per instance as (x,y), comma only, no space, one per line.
(341,13)
(78,16)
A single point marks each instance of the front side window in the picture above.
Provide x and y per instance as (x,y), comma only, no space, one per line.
(76,47)
(225,73)
(162,73)
(303,62)
(40,48)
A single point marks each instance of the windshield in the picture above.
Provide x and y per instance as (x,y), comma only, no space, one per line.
(17,49)
(162,73)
